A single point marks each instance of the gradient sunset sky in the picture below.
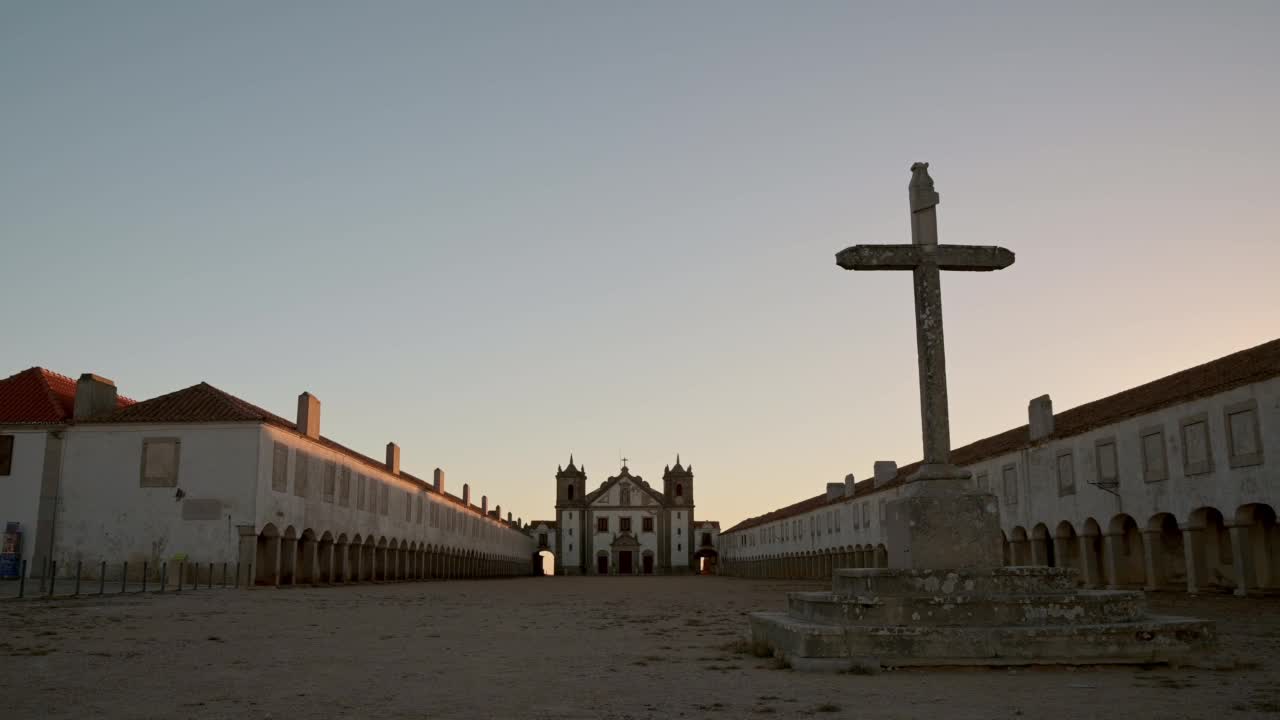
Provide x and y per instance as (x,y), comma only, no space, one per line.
(498,233)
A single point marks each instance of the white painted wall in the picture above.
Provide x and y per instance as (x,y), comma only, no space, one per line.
(570,541)
(105,514)
(20,490)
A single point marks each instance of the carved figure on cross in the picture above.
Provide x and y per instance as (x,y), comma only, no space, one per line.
(925,258)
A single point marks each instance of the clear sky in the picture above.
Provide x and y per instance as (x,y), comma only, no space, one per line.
(497,233)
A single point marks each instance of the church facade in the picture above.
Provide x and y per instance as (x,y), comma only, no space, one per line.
(627,527)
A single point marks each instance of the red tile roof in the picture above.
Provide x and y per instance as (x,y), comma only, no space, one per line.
(204,403)
(1232,371)
(40,396)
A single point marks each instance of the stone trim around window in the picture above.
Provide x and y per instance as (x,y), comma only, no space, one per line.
(1106,448)
(152,471)
(1151,472)
(1008,484)
(1205,465)
(1236,436)
(1067,484)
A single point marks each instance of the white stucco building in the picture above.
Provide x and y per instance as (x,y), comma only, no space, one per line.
(627,527)
(1172,484)
(199,476)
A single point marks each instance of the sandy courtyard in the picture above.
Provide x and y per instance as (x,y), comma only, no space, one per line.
(546,648)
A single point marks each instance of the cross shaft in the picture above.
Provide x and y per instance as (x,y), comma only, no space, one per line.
(925,258)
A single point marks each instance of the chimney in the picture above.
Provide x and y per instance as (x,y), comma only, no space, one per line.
(309,415)
(835,490)
(484,505)
(1040,417)
(497,510)
(95,395)
(886,470)
(393,458)
(509,516)
(519,521)
(849,483)
(466,494)
(439,477)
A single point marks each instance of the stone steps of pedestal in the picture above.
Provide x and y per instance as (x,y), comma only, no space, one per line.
(1087,607)
(980,581)
(819,646)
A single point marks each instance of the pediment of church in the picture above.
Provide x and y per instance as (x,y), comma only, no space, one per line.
(624,486)
(624,541)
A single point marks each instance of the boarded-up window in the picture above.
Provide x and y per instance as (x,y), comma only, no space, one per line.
(1155,466)
(384,500)
(434,514)
(301,468)
(6,454)
(866,515)
(1009,481)
(1244,437)
(1106,464)
(344,487)
(1197,455)
(419,517)
(408,507)
(330,480)
(646,524)
(280,467)
(160,462)
(1066,473)
(360,501)
(983,481)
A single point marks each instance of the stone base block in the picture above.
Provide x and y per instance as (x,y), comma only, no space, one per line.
(944,530)
(820,646)
(860,582)
(1085,607)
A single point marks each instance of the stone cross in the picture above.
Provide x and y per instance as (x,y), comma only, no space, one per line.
(925,258)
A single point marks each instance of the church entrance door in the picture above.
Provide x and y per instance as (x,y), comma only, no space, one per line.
(602,565)
(648,564)
(624,562)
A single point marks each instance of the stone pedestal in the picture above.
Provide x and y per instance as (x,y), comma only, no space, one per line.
(993,617)
(941,523)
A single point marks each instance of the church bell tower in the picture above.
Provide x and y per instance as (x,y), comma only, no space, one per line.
(677,484)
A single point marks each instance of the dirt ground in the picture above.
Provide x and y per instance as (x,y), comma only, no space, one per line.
(558,648)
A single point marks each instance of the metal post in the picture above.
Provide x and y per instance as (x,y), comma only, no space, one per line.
(22,579)
(164,575)
(144,576)
(248,576)
(102,579)
(209,584)
(124,575)
(44,573)
(237,585)
(182,566)
(53,575)
(79,563)
(224,574)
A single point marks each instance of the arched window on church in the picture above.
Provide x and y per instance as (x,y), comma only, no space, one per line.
(626,494)
(679,490)
(570,492)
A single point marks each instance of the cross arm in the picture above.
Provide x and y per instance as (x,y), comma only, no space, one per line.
(973,258)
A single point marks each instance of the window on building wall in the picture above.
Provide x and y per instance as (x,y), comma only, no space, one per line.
(646,524)
(983,481)
(6,455)
(624,524)
(419,503)
(1106,463)
(1066,473)
(679,490)
(602,524)
(344,486)
(160,462)
(679,531)
(330,480)
(1244,436)
(408,506)
(1155,465)
(706,539)
(569,491)
(301,466)
(679,516)
(570,547)
(1197,453)
(384,500)
(570,532)
(866,514)
(280,467)
(542,539)
(360,502)
(1009,482)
